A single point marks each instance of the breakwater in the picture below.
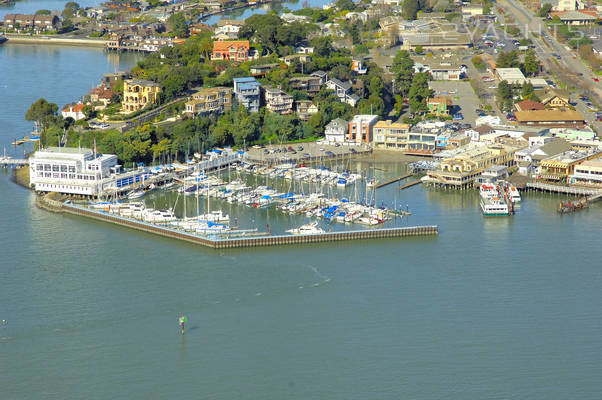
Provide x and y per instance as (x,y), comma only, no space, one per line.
(38,39)
(216,242)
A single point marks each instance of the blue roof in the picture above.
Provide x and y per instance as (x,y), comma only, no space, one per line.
(245,79)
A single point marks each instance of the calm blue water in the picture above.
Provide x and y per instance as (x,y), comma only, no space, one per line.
(31,6)
(502,308)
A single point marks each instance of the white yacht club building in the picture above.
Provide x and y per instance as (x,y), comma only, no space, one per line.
(70,170)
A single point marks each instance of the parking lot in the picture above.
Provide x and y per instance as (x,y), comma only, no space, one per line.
(303,152)
(464,99)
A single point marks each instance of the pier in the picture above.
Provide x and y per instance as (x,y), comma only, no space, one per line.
(390,181)
(410,184)
(576,191)
(8,162)
(216,242)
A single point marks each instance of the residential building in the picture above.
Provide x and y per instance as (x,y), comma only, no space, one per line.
(305,109)
(304,50)
(358,66)
(308,84)
(360,128)
(69,170)
(422,142)
(320,74)
(138,93)
(261,70)
(75,111)
(277,101)
(237,50)
(391,135)
(102,95)
(439,105)
(588,173)
(556,169)
(564,5)
(343,91)
(300,58)
(29,22)
(248,93)
(227,31)
(210,101)
(336,131)
(550,118)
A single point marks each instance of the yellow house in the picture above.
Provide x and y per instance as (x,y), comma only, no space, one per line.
(138,93)
(558,168)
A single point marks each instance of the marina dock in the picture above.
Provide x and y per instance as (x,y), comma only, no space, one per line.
(8,162)
(390,181)
(216,242)
(410,184)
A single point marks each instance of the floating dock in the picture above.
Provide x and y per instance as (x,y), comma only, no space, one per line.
(217,242)
(407,185)
(390,181)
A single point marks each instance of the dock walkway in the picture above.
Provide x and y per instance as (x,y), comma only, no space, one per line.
(217,242)
(8,162)
(577,191)
(390,181)
(410,184)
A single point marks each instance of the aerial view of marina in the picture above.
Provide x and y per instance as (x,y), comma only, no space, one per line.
(300,199)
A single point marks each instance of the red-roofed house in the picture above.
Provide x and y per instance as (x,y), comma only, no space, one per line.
(102,95)
(75,111)
(237,50)
(529,105)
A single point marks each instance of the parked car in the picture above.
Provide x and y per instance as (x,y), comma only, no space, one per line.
(352,150)
(329,153)
(458,117)
(300,148)
(290,148)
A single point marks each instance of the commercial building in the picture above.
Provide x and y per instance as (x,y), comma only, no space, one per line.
(237,50)
(70,170)
(248,93)
(588,173)
(557,169)
(391,135)
(139,93)
(210,101)
(277,101)
(550,118)
(529,159)
(360,128)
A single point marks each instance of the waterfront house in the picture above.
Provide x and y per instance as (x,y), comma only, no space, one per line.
(308,84)
(361,128)
(236,50)
(101,95)
(248,93)
(277,101)
(391,135)
(305,109)
(29,22)
(422,142)
(75,111)
(439,105)
(138,93)
(336,131)
(69,170)
(209,101)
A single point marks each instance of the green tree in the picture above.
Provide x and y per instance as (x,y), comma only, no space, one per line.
(177,24)
(531,64)
(43,12)
(419,92)
(71,10)
(545,9)
(403,72)
(409,9)
(508,59)
(322,46)
(418,50)
(42,112)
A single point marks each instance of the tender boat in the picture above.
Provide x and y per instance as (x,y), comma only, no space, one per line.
(494,206)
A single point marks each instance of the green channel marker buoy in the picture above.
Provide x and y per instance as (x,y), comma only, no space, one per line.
(182,320)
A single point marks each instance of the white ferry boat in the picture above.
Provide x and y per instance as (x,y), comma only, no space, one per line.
(487,191)
(494,206)
(307,229)
(514,194)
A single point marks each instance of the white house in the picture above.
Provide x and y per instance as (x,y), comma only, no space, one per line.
(336,130)
(74,111)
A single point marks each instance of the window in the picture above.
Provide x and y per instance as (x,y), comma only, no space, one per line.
(55,168)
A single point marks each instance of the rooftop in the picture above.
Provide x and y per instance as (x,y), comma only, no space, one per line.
(548,116)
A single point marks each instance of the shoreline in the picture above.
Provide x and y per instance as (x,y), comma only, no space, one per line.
(36,39)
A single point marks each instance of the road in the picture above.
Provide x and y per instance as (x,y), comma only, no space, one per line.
(567,68)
